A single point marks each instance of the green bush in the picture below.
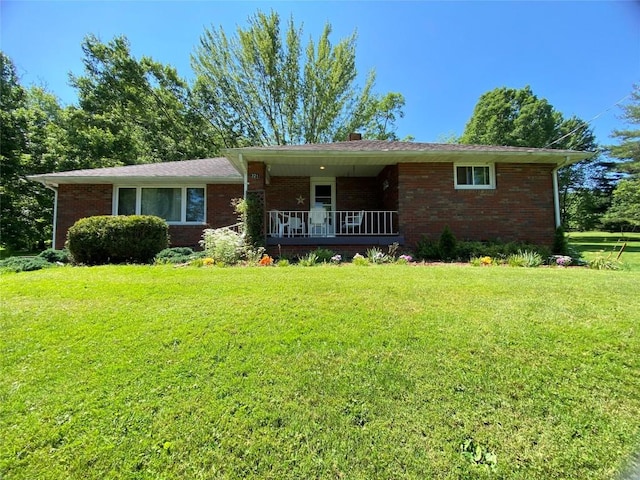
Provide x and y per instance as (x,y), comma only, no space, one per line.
(117,239)
(23,264)
(447,244)
(560,243)
(55,256)
(223,245)
(324,255)
(177,255)
(427,250)
(525,258)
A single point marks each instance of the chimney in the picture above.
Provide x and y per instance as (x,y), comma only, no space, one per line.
(355,136)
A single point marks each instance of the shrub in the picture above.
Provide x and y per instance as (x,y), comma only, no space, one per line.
(308,260)
(55,256)
(447,244)
(324,254)
(525,258)
(560,243)
(120,239)
(360,261)
(427,250)
(375,255)
(223,245)
(177,255)
(283,262)
(24,264)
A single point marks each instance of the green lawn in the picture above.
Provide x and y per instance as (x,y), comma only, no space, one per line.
(593,244)
(326,372)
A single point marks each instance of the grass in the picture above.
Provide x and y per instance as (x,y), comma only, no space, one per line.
(604,244)
(327,372)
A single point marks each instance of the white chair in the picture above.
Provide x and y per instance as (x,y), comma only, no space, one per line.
(353,220)
(318,222)
(295,225)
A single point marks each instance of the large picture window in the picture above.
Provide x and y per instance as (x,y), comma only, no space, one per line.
(474,176)
(174,204)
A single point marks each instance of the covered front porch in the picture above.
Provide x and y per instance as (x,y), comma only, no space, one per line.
(320,226)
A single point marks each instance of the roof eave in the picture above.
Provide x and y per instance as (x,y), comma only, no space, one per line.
(55,180)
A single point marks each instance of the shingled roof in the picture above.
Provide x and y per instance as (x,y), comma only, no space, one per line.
(204,170)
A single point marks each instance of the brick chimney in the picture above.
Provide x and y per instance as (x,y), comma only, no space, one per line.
(355,136)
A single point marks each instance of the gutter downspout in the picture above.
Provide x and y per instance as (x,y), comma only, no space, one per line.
(55,212)
(245,176)
(556,192)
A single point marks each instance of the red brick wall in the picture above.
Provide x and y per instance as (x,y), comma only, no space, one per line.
(358,193)
(520,207)
(79,201)
(282,193)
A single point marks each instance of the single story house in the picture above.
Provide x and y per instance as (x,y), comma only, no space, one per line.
(347,196)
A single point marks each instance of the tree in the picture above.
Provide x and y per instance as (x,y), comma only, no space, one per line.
(518,118)
(628,151)
(132,111)
(625,207)
(258,88)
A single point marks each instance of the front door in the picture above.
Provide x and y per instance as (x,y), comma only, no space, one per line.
(323,195)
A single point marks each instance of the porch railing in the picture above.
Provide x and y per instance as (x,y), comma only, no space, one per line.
(332,223)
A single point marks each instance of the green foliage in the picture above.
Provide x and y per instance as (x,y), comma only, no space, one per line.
(223,245)
(251,211)
(308,260)
(525,258)
(23,264)
(628,150)
(447,244)
(324,255)
(624,213)
(478,454)
(465,251)
(427,249)
(55,256)
(117,239)
(263,87)
(360,261)
(560,243)
(377,256)
(604,263)
(283,262)
(176,255)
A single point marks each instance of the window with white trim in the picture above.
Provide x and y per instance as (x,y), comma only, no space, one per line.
(474,176)
(174,204)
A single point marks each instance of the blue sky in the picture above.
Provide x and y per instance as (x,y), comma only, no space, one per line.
(581,56)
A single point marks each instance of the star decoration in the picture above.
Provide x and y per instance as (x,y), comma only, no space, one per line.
(300,200)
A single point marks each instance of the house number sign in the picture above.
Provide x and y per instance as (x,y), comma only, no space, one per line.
(255,176)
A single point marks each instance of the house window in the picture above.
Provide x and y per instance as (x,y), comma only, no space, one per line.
(174,204)
(474,176)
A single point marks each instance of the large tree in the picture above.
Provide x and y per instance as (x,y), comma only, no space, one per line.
(518,118)
(625,208)
(262,87)
(132,111)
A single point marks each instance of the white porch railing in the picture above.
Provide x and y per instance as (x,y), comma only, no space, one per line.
(326,223)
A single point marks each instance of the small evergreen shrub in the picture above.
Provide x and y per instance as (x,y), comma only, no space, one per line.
(23,264)
(55,256)
(117,239)
(447,244)
(560,243)
(427,250)
(177,255)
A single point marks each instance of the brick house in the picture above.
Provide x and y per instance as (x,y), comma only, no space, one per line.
(346,196)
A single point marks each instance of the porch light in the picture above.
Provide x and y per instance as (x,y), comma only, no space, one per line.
(321,167)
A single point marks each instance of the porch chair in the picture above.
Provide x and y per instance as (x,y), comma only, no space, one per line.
(295,225)
(318,220)
(353,220)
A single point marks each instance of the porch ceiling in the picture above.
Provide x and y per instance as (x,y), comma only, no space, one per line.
(317,170)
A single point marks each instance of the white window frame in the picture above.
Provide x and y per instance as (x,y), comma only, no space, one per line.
(183,200)
(492,176)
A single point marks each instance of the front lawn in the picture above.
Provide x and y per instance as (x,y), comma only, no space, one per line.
(388,371)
